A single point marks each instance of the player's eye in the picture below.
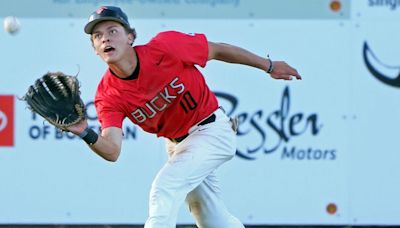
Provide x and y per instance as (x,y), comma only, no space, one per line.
(96,36)
(113,31)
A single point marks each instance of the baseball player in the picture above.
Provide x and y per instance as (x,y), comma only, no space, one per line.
(158,87)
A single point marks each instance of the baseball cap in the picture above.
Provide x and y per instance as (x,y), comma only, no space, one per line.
(106,13)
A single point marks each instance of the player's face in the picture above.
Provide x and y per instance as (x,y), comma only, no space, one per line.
(110,41)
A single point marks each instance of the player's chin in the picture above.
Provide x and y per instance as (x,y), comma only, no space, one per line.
(108,56)
(109,59)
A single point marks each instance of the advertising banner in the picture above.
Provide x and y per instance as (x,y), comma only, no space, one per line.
(322,150)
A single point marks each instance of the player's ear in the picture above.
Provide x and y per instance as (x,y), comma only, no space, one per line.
(130,38)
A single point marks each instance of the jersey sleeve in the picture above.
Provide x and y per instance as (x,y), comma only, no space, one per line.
(108,116)
(191,49)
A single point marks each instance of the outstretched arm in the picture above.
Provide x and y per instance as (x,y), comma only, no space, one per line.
(108,144)
(233,54)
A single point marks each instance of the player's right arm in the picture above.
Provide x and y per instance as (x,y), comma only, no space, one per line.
(108,144)
(234,54)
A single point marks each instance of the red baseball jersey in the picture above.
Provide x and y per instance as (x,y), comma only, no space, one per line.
(169,95)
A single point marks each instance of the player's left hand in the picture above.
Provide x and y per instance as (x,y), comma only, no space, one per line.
(282,70)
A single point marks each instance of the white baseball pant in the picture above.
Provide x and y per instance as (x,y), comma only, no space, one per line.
(189,174)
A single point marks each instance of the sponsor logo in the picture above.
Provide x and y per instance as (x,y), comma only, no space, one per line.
(391,4)
(264,132)
(6,120)
(389,75)
(277,131)
(40,130)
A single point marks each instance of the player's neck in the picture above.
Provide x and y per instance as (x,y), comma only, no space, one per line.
(126,66)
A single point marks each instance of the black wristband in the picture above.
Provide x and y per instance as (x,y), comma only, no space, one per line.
(89,136)
(271,66)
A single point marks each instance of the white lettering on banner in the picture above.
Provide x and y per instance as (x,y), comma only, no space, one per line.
(3,120)
(159,102)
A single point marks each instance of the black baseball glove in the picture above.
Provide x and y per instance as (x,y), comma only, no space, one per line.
(56,97)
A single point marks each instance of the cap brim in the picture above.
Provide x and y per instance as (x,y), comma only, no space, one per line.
(90,26)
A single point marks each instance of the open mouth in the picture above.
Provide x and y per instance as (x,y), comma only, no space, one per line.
(108,49)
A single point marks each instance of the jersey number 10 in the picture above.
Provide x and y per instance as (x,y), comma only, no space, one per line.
(188,102)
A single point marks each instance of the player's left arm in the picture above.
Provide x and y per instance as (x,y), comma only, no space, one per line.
(233,54)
